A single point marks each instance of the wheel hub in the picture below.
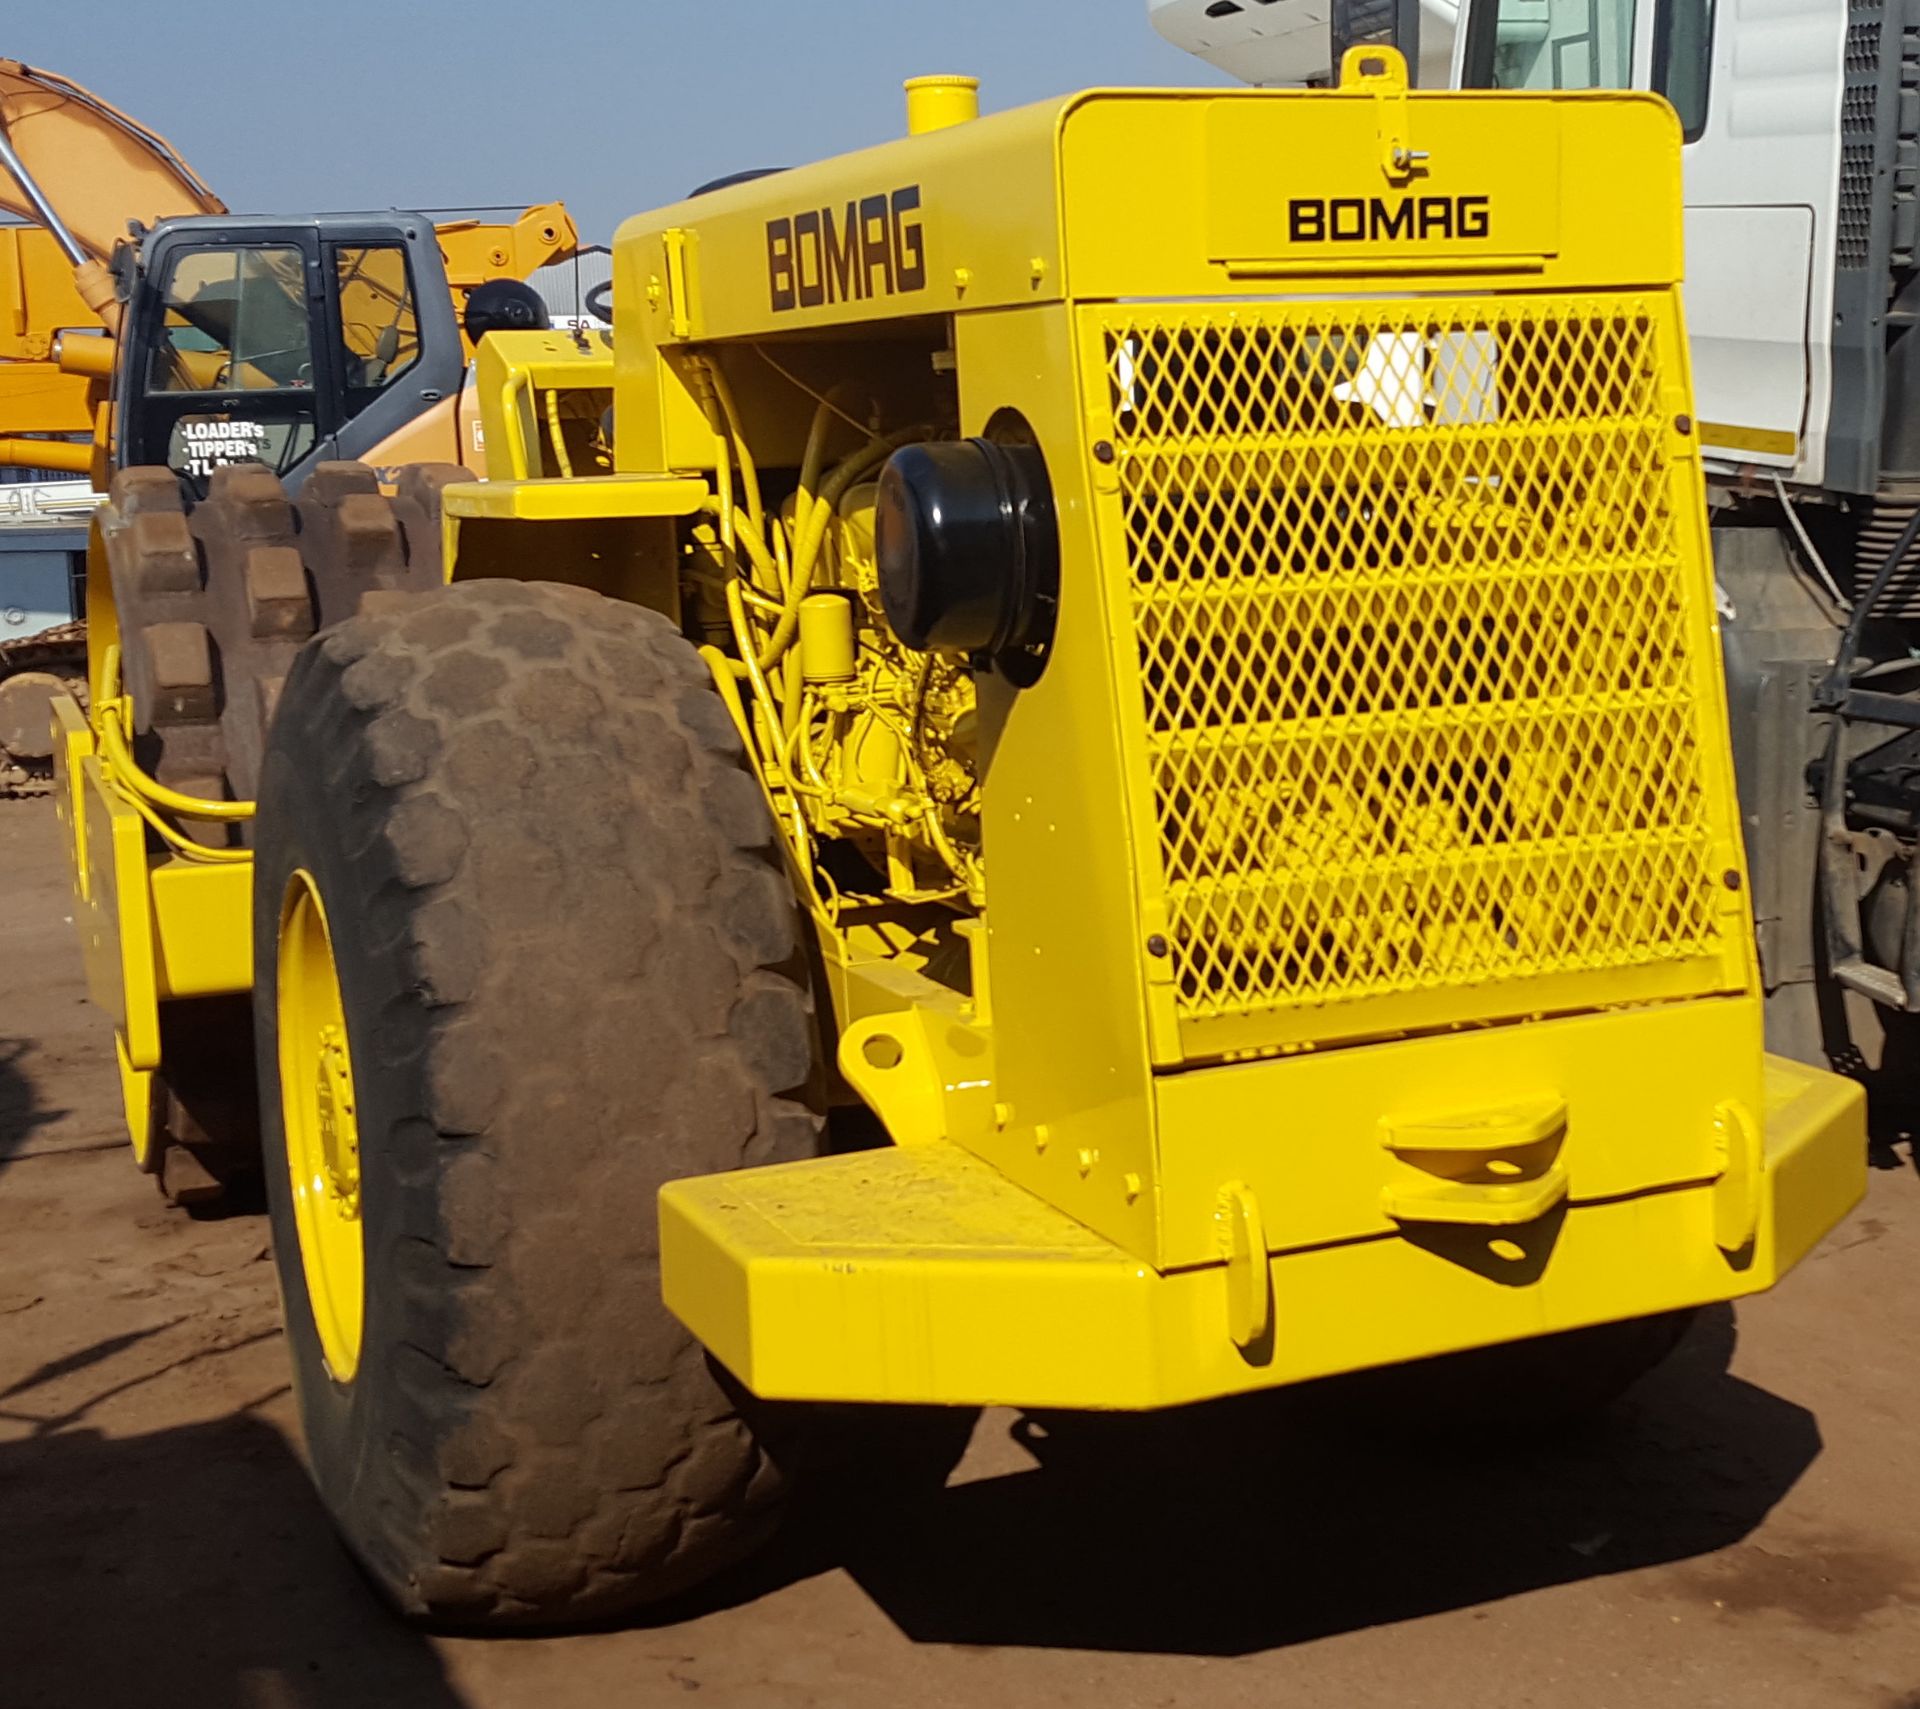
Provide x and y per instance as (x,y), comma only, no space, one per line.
(339,1132)
(320,1117)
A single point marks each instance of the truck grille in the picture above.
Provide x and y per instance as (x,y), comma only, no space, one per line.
(1859,134)
(1416,654)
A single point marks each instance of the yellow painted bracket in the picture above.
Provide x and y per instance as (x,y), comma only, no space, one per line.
(202,926)
(117,925)
(1737,1193)
(926,1073)
(1486,1168)
(152,927)
(73,746)
(1481,1205)
(1382,73)
(136,1099)
(679,297)
(1249,1284)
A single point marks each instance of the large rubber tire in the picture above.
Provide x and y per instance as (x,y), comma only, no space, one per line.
(570,971)
(214,600)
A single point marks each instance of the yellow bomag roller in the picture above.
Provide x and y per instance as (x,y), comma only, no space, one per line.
(1090,773)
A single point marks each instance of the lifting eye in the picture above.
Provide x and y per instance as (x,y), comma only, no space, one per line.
(968,552)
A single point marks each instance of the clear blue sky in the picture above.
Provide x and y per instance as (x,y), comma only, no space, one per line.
(612,107)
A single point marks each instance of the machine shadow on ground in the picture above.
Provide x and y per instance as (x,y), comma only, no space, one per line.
(22,1111)
(188,1566)
(1245,1526)
(194,1565)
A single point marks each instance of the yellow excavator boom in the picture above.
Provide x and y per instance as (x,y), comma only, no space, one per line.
(82,166)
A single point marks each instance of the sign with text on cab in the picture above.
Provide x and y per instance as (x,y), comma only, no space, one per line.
(1311,196)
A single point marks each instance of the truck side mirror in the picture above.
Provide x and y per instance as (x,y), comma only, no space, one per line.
(1377,23)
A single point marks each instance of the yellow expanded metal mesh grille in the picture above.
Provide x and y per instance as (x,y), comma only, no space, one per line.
(1413,642)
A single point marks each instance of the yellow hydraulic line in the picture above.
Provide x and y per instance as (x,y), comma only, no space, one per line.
(962,866)
(780,568)
(762,561)
(849,470)
(127,770)
(708,537)
(756,676)
(810,460)
(768,565)
(795,839)
(723,487)
(181,841)
(724,680)
(816,447)
(799,738)
(743,453)
(559,438)
(783,561)
(792,683)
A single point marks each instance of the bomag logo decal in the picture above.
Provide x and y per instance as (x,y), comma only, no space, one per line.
(1373,219)
(871,247)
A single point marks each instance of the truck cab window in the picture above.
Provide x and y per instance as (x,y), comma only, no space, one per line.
(233,320)
(379,318)
(1550,44)
(1683,59)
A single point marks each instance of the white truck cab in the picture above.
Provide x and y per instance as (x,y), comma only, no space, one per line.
(1778,161)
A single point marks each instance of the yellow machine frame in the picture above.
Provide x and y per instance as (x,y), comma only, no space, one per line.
(1114,1183)
(1223,1094)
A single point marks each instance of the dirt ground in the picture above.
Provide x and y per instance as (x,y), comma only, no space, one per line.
(1744,1530)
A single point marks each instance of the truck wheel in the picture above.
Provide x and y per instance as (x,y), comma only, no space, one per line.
(524,951)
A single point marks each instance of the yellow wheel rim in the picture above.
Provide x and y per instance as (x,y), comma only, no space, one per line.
(320,1116)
